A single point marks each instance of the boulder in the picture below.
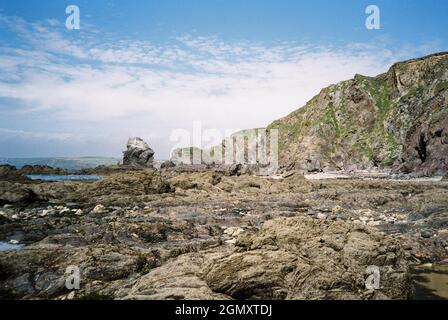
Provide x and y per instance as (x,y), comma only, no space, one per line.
(167,164)
(15,193)
(138,153)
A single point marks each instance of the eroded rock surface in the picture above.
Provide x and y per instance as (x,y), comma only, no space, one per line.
(146,234)
(396,120)
(138,153)
(305,258)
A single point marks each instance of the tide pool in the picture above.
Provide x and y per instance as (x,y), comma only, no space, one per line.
(68,177)
(9,246)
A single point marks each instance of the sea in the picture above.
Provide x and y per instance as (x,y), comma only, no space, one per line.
(75,163)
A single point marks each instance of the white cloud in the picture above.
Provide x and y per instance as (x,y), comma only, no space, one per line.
(137,87)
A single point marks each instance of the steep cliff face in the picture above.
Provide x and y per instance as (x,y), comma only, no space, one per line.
(397,120)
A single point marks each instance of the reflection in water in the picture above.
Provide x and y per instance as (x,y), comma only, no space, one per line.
(431,282)
(9,246)
(67,177)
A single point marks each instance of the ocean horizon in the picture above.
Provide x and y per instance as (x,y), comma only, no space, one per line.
(69,163)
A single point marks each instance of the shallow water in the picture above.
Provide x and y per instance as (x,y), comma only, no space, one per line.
(431,282)
(68,177)
(364,175)
(9,246)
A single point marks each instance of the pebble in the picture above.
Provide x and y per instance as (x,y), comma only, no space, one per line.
(99,209)
(336,210)
(321,216)
(13,242)
(364,220)
(425,234)
(79,212)
(231,241)
(46,212)
(234,231)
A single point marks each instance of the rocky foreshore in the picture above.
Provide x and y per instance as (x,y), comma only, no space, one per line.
(204,233)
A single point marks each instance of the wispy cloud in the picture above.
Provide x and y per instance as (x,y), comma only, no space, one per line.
(89,82)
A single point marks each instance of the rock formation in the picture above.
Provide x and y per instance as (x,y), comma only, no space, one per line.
(304,258)
(148,234)
(138,153)
(289,258)
(397,120)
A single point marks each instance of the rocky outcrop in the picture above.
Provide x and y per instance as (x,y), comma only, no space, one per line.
(138,153)
(43,169)
(397,120)
(10,173)
(293,258)
(120,188)
(167,164)
(304,258)
(15,193)
(248,150)
(147,234)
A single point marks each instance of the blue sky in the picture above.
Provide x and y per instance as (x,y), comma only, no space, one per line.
(147,68)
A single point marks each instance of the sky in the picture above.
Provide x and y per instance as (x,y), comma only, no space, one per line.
(149,68)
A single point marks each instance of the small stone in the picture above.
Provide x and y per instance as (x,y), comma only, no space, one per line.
(71,295)
(237,232)
(99,209)
(231,241)
(46,212)
(234,231)
(7,206)
(14,217)
(425,234)
(13,242)
(321,216)
(336,210)
(79,212)
(364,220)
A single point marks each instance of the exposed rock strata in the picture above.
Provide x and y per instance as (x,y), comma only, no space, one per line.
(395,121)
